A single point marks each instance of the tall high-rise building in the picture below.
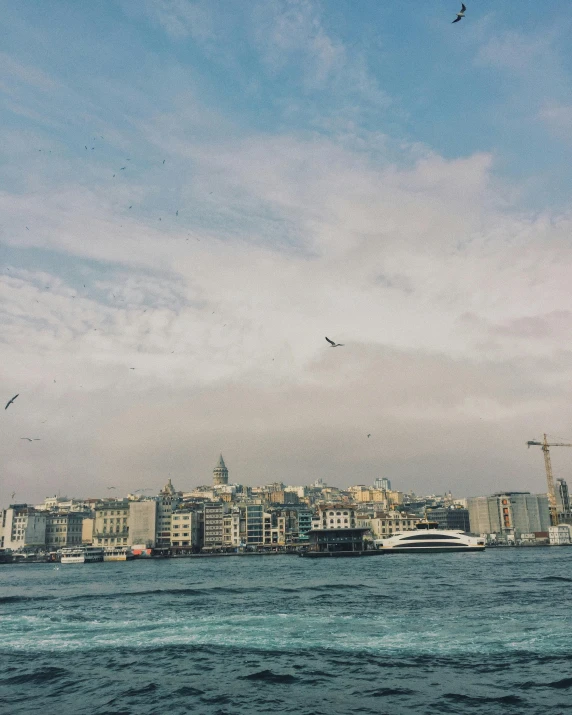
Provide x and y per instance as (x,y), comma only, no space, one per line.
(382,483)
(563,506)
(220,473)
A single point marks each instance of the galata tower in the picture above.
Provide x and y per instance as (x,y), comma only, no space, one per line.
(220,473)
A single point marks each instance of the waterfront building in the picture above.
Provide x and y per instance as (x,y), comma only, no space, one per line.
(213,517)
(254,524)
(304,523)
(142,522)
(563,505)
(560,535)
(63,529)
(167,502)
(87,526)
(450,518)
(334,529)
(185,529)
(111,527)
(385,523)
(220,473)
(23,528)
(274,528)
(509,514)
(231,529)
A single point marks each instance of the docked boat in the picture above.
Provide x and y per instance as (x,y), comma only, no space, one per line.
(81,555)
(117,553)
(427,537)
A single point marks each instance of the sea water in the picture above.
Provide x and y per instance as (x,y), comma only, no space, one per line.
(441,633)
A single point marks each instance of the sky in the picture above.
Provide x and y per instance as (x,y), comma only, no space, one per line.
(194,193)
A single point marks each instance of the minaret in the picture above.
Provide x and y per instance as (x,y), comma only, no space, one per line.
(220,473)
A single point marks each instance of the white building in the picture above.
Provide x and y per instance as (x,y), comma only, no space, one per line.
(167,502)
(23,527)
(334,517)
(560,535)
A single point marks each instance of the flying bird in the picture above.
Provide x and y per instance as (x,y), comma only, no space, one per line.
(110,488)
(334,345)
(35,439)
(369,435)
(123,168)
(163,161)
(460,15)
(11,401)
(177,212)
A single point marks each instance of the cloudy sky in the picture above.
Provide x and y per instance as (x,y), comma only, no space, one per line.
(203,190)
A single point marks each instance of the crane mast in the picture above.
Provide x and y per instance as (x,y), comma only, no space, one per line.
(550,483)
(545,444)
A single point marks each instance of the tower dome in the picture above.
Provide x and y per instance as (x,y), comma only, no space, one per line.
(220,473)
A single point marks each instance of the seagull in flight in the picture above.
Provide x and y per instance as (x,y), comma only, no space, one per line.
(110,488)
(334,345)
(35,439)
(460,15)
(11,401)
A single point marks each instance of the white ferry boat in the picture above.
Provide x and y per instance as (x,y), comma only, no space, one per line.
(81,555)
(117,553)
(427,537)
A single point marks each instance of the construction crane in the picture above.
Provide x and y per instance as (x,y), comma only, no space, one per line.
(545,444)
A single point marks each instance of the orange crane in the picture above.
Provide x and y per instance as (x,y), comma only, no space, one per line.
(545,444)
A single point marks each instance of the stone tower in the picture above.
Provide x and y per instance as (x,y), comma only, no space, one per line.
(220,473)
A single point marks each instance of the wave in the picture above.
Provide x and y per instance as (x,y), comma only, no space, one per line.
(501,699)
(566,579)
(18,599)
(563,684)
(43,675)
(269,676)
(385,692)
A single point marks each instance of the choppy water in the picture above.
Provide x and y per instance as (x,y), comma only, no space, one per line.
(443,633)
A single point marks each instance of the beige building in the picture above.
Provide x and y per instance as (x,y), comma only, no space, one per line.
(87,527)
(391,522)
(111,527)
(142,522)
(185,529)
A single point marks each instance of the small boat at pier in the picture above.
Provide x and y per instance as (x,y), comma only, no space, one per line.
(117,553)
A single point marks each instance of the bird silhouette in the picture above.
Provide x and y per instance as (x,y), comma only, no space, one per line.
(11,401)
(30,439)
(110,488)
(334,345)
(460,15)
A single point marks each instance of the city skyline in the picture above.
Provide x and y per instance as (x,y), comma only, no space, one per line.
(179,236)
